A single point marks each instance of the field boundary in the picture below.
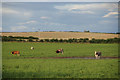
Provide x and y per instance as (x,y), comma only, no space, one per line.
(66,58)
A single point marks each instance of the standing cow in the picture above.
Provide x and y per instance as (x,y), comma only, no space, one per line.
(15,53)
(98,54)
(59,51)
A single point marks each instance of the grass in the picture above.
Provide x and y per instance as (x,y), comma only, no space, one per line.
(48,49)
(58,68)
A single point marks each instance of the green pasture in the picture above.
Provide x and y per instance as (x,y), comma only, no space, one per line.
(60,68)
(48,49)
(18,67)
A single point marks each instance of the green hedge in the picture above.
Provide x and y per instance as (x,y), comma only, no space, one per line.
(81,40)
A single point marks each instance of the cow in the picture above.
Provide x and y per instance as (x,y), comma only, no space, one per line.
(59,51)
(32,48)
(15,53)
(98,54)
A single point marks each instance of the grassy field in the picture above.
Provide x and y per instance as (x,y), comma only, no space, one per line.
(58,68)
(48,49)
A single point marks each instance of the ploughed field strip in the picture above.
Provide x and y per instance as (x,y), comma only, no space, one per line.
(70,58)
(65,35)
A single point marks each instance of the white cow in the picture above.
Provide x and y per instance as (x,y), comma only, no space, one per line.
(98,54)
(32,48)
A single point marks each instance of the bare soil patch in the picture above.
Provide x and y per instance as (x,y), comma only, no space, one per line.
(70,58)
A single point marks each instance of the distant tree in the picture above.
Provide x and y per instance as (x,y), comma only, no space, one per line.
(36,40)
(109,40)
(31,37)
(75,40)
(61,40)
(10,36)
(70,40)
(65,40)
(86,39)
(86,31)
(30,40)
(52,40)
(80,40)
(92,41)
(46,40)
(56,40)
(41,40)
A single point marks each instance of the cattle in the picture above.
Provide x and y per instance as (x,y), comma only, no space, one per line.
(32,48)
(15,53)
(97,54)
(59,51)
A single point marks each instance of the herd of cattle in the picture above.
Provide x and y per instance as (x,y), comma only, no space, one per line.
(97,54)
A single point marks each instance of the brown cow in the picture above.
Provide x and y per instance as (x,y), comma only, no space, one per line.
(15,52)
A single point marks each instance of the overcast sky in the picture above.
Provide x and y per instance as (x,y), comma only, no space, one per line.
(60,16)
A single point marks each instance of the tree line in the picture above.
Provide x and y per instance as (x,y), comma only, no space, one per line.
(11,38)
(73,40)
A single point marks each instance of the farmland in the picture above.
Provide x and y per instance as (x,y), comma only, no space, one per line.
(18,67)
(48,49)
(60,68)
(62,35)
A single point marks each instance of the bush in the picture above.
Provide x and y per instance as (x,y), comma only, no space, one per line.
(30,40)
(85,40)
(70,40)
(46,40)
(52,40)
(31,37)
(41,40)
(60,40)
(56,40)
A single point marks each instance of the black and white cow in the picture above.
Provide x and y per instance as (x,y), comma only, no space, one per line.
(97,54)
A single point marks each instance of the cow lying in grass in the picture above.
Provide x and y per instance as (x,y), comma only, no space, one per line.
(97,55)
(59,51)
(15,53)
(32,48)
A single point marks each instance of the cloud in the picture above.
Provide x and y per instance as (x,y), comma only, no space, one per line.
(28,22)
(33,28)
(27,14)
(52,23)
(44,17)
(0,29)
(110,14)
(105,22)
(18,28)
(0,10)
(61,0)
(83,12)
(87,8)
(9,11)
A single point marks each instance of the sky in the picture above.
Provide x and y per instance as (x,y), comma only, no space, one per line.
(60,0)
(60,16)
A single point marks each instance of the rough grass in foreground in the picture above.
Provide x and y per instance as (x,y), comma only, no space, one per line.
(60,68)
